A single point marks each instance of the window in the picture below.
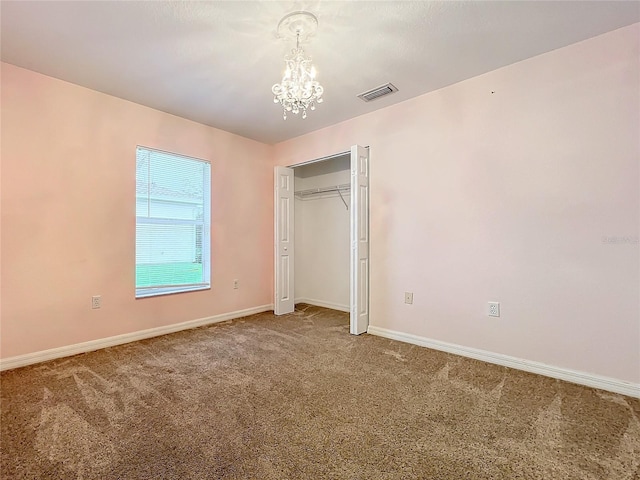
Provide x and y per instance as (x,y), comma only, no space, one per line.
(173,198)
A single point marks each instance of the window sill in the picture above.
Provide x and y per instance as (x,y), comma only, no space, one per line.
(155,292)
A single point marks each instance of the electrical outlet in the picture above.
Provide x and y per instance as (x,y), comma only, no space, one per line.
(236,284)
(494,309)
(96,301)
(408,298)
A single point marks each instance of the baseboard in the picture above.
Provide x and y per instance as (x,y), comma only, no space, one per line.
(573,376)
(320,303)
(43,356)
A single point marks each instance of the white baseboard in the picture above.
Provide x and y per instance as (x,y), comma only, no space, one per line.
(43,356)
(321,303)
(574,376)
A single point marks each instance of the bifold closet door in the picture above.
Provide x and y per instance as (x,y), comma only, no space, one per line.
(359,236)
(284,241)
(359,308)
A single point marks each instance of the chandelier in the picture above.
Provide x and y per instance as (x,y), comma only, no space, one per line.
(299,91)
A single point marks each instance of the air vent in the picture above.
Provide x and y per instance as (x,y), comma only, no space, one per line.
(378,92)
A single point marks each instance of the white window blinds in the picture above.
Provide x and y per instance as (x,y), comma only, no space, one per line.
(173,198)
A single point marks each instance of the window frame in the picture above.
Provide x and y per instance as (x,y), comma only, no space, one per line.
(204,223)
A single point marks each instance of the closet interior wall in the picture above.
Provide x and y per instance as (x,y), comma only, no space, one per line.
(322,234)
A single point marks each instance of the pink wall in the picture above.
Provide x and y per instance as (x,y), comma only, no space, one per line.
(475,197)
(68,215)
(479,196)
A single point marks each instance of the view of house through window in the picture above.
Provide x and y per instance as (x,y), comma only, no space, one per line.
(173,198)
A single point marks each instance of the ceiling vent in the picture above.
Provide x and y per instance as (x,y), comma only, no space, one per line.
(378,92)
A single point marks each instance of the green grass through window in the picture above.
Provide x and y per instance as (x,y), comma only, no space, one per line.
(149,274)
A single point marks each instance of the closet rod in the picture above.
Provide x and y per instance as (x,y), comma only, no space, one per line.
(317,191)
(323,190)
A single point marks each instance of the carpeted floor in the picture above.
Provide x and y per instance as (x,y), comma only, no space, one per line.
(297,397)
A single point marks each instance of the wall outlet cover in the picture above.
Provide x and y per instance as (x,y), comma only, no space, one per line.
(494,309)
(96,301)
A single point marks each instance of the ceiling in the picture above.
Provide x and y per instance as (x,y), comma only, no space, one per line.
(215,62)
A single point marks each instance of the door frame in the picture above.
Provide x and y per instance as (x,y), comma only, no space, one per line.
(357,304)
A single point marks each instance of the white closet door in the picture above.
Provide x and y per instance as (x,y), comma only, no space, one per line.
(359,319)
(284,267)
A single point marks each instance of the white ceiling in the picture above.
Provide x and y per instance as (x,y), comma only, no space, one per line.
(215,62)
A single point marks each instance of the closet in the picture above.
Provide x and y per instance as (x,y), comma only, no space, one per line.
(321,226)
(321,233)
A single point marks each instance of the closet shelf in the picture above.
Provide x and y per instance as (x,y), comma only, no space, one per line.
(326,191)
(345,187)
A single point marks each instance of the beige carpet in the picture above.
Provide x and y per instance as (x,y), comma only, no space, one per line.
(297,397)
